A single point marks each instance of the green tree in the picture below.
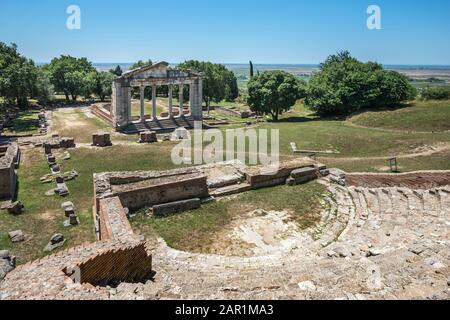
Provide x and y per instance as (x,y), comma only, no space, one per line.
(251,70)
(141,64)
(117,71)
(344,85)
(68,73)
(44,90)
(103,84)
(274,92)
(18,76)
(219,83)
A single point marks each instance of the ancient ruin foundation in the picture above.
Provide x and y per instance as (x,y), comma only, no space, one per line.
(9,162)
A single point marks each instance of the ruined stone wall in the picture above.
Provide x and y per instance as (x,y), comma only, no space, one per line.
(55,276)
(137,190)
(8,177)
(122,265)
(140,195)
(113,222)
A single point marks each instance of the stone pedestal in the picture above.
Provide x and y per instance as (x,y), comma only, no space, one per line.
(148,137)
(67,143)
(101,139)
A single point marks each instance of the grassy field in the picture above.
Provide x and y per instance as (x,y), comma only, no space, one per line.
(417,116)
(196,230)
(361,149)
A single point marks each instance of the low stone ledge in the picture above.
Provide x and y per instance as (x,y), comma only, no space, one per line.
(167,209)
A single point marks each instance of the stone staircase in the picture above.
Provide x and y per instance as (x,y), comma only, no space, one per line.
(402,201)
(338,215)
(160,125)
(351,210)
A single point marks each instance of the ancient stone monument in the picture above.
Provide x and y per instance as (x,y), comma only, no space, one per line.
(153,76)
(9,162)
(101,139)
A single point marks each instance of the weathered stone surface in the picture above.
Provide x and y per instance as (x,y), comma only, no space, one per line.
(101,139)
(56,241)
(148,137)
(9,161)
(307,286)
(262,176)
(16,208)
(4,254)
(16,236)
(55,169)
(67,143)
(176,207)
(57,238)
(73,220)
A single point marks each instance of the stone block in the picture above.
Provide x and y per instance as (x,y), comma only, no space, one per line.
(245,114)
(47,148)
(101,140)
(148,137)
(67,143)
(51,159)
(16,208)
(166,209)
(16,236)
(304,172)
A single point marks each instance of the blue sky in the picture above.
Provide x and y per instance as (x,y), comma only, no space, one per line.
(230,31)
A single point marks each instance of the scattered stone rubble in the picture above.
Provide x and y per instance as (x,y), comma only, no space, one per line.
(7,263)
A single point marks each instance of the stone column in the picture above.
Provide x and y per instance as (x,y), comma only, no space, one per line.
(191,97)
(196,109)
(121,104)
(181,97)
(170,101)
(154,115)
(142,96)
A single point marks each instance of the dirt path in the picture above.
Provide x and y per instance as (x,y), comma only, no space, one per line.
(419,152)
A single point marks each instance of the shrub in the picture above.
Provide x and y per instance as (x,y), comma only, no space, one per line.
(435,93)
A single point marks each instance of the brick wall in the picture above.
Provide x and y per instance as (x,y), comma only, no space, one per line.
(123,265)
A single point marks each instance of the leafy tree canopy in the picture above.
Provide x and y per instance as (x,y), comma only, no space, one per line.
(68,74)
(344,85)
(18,75)
(219,83)
(141,64)
(274,92)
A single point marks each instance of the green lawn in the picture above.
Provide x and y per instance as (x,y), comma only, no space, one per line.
(418,116)
(195,230)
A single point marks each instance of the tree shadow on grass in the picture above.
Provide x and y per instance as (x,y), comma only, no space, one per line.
(383,109)
(25,125)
